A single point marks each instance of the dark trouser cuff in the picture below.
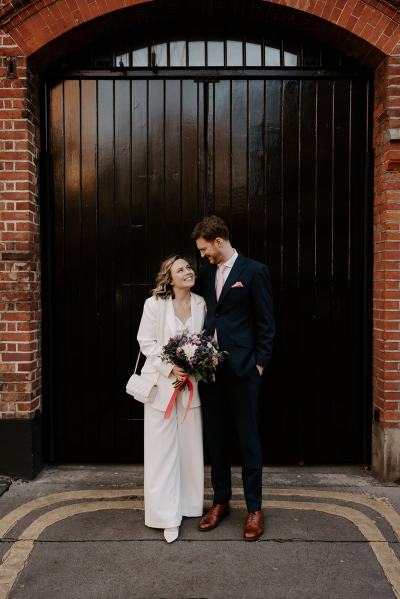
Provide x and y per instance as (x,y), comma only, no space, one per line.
(254,507)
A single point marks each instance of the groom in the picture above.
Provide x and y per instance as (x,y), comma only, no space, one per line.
(240,317)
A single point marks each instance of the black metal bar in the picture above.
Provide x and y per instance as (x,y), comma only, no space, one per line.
(205,146)
(209,73)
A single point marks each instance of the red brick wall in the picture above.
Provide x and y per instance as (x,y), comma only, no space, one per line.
(386,300)
(369,29)
(33,24)
(20,369)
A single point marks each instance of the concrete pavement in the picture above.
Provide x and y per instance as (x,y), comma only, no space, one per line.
(77,532)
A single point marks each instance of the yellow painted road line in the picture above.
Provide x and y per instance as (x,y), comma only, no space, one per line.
(383,552)
(17,556)
(378,504)
(10,519)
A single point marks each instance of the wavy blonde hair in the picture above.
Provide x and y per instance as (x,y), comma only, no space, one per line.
(163,288)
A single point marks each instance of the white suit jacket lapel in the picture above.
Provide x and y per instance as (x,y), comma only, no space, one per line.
(197,313)
(170,319)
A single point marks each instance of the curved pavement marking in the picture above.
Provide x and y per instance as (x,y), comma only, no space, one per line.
(378,504)
(383,552)
(9,520)
(18,554)
(381,505)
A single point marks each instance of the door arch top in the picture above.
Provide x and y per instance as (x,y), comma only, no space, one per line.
(368,30)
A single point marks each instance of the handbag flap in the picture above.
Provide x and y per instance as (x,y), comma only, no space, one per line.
(141,384)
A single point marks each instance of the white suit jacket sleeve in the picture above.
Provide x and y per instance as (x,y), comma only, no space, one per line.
(147,338)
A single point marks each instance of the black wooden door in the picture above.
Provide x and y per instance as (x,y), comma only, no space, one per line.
(135,164)
(286,169)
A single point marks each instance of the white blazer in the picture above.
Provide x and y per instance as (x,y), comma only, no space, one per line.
(156,327)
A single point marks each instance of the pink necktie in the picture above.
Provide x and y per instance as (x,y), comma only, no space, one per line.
(219,283)
(220,279)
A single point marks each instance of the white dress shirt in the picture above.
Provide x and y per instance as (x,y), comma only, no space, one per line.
(228,266)
(180,327)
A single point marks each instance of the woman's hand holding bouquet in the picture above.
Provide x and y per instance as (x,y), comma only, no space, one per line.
(193,355)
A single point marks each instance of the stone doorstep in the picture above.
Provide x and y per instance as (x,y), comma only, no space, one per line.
(273,476)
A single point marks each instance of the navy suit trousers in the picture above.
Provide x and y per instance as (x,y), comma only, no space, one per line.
(238,397)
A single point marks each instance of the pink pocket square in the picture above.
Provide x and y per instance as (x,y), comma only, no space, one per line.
(237,284)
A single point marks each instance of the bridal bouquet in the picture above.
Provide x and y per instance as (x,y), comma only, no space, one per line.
(196,353)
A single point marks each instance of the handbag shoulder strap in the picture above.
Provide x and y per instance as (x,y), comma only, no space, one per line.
(159,320)
(137,362)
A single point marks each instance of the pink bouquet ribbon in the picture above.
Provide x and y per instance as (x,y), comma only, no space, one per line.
(182,384)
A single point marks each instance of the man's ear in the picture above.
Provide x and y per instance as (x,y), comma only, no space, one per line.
(219,241)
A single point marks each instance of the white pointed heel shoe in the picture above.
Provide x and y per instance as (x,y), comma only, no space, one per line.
(171,534)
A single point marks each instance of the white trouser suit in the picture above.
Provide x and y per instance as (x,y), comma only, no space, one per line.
(173,449)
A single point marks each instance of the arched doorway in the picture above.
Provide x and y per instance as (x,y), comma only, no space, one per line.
(270,131)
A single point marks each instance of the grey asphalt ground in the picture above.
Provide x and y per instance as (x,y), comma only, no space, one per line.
(110,554)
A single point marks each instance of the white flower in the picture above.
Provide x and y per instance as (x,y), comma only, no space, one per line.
(189,350)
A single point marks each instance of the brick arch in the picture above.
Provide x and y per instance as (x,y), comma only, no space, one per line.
(366,29)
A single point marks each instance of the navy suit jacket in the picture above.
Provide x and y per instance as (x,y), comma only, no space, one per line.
(243,316)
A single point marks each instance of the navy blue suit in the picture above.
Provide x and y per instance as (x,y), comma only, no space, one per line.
(243,318)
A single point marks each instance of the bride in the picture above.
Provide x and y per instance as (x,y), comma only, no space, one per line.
(173,450)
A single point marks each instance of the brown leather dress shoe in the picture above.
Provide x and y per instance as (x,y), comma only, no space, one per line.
(254,526)
(214,516)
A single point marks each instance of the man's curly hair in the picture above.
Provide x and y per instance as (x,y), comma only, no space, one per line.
(210,228)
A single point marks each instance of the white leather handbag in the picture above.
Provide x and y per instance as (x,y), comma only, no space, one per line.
(141,386)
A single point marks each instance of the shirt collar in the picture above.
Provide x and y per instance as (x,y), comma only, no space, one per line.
(229,263)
